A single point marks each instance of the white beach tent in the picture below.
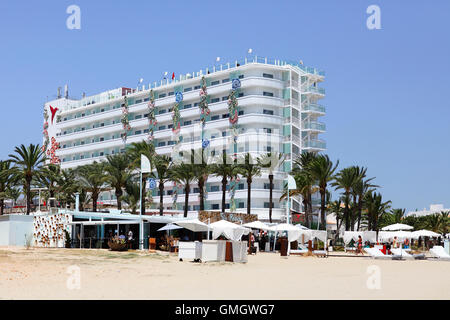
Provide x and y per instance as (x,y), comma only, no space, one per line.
(370,236)
(257,225)
(293,232)
(389,235)
(194,225)
(169,226)
(397,227)
(230,230)
(424,233)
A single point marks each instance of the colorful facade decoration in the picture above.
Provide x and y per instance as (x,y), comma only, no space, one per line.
(51,153)
(233,184)
(125,119)
(152,122)
(203,105)
(48,231)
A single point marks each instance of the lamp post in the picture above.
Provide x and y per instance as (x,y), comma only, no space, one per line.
(145,168)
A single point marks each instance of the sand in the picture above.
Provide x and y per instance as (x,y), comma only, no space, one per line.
(43,274)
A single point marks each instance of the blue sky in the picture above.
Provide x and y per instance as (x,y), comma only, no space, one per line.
(387,105)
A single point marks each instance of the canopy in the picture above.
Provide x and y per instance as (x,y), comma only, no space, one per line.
(294,232)
(424,233)
(194,225)
(230,230)
(169,226)
(389,235)
(257,225)
(370,236)
(397,226)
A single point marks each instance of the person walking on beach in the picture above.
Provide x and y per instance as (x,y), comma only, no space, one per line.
(359,245)
(130,239)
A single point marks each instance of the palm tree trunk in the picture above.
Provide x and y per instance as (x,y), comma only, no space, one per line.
(322,208)
(249,194)
(359,210)
(143,195)
(201,183)
(270,196)
(310,206)
(305,205)
(186,199)
(354,211)
(346,213)
(118,198)
(2,206)
(161,197)
(28,194)
(94,201)
(224,190)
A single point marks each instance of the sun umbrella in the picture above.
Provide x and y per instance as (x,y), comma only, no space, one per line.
(397,226)
(170,226)
(424,233)
(257,225)
(194,225)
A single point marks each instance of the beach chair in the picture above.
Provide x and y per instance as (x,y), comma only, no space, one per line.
(320,253)
(402,253)
(376,253)
(440,253)
(300,251)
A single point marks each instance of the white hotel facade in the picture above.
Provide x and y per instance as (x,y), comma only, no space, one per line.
(279,111)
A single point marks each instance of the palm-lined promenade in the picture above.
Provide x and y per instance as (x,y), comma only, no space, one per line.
(359,207)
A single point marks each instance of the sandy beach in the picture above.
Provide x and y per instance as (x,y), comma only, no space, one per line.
(44,274)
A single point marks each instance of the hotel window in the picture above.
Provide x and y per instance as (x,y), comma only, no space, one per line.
(101,154)
(215,206)
(269,112)
(267,186)
(186,123)
(169,143)
(224,98)
(215,188)
(196,104)
(241,113)
(241,76)
(240,95)
(196,190)
(214,100)
(224,134)
(196,87)
(225,115)
(216,117)
(139,101)
(169,192)
(187,106)
(162,111)
(266,205)
(161,144)
(102,124)
(138,116)
(102,139)
(162,128)
(146,115)
(146,131)
(171,93)
(170,126)
(268,94)
(162,95)
(241,205)
(269,149)
(82,142)
(138,132)
(187,89)
(213,83)
(267,75)
(240,186)
(102,110)
(146,99)
(226,80)
(196,207)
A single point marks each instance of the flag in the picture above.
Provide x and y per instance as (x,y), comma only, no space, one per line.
(173,75)
(145,164)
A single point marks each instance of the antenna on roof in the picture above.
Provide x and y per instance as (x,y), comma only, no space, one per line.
(58,93)
(66,91)
(250,51)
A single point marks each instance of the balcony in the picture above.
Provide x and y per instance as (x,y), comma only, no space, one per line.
(314,144)
(314,126)
(314,108)
(314,90)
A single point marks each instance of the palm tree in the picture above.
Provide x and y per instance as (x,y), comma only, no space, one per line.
(135,151)
(376,209)
(336,208)
(68,187)
(249,169)
(6,182)
(437,222)
(184,173)
(271,162)
(27,161)
(360,188)
(132,195)
(93,178)
(202,170)
(117,170)
(345,180)
(50,178)
(322,170)
(225,168)
(163,166)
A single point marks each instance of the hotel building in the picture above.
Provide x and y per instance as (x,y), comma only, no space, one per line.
(278,111)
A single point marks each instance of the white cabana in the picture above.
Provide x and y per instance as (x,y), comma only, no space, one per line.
(390,235)
(194,225)
(397,227)
(257,225)
(424,233)
(230,230)
(370,236)
(293,232)
(169,226)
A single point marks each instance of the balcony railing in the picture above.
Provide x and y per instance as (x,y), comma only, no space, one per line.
(315,90)
(314,125)
(314,107)
(314,144)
